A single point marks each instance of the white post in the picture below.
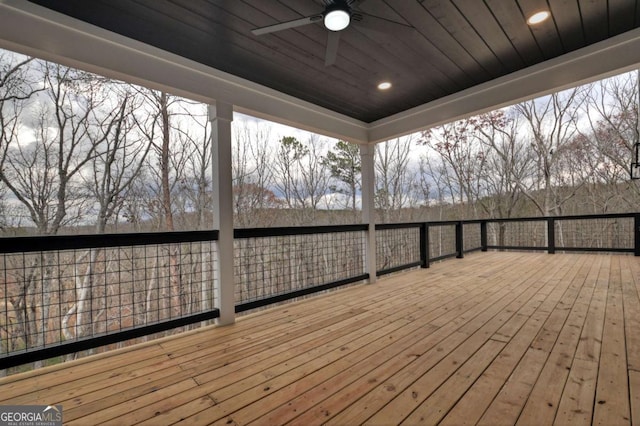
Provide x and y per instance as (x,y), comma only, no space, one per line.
(368,208)
(220,116)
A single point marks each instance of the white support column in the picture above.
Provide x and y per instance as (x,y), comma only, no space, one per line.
(368,207)
(220,116)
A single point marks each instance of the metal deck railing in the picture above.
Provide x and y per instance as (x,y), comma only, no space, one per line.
(61,295)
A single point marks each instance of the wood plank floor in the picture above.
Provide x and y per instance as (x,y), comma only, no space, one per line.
(495,338)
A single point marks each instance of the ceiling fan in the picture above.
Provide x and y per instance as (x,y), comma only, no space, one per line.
(336,17)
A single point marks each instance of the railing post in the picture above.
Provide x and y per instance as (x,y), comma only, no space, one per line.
(424,245)
(551,235)
(483,235)
(636,232)
(459,240)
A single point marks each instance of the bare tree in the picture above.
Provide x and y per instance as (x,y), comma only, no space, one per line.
(435,184)
(253,174)
(199,165)
(509,165)
(395,178)
(18,84)
(119,157)
(552,124)
(191,147)
(167,166)
(301,176)
(42,173)
(120,154)
(314,176)
(289,155)
(463,157)
(611,110)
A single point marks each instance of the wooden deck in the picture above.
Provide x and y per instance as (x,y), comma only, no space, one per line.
(495,338)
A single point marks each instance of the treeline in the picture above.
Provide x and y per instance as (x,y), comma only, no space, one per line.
(567,153)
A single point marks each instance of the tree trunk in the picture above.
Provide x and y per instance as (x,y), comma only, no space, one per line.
(171,297)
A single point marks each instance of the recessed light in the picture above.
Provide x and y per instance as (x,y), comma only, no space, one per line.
(538,17)
(385,85)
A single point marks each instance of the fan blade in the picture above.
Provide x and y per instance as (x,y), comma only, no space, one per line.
(332,48)
(286,25)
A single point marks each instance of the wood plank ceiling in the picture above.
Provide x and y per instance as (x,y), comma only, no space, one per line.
(443,46)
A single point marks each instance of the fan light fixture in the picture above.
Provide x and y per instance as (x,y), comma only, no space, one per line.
(337,19)
(538,17)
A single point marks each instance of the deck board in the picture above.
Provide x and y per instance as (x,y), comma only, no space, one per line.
(494,338)
(612,390)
